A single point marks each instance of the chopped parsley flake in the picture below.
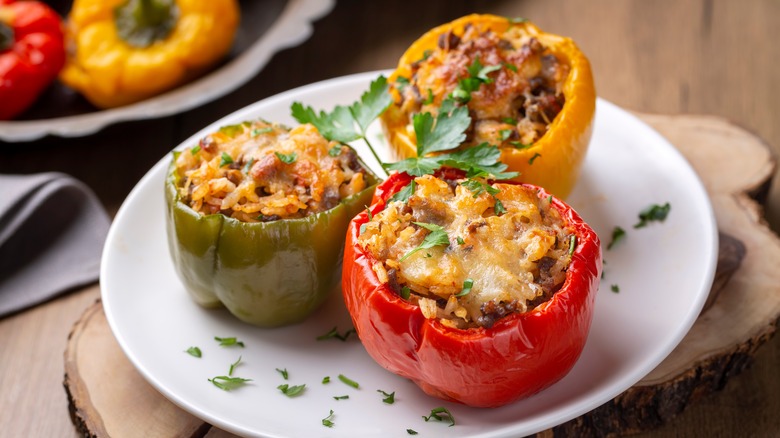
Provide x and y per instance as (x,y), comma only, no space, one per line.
(467,285)
(440,414)
(233,366)
(195,149)
(340,397)
(284,373)
(328,421)
(520,145)
(401,83)
(248,166)
(334,333)
(228,342)
(654,212)
(411,431)
(478,75)
(517,20)
(498,207)
(291,391)
(532,159)
(233,130)
(389,397)
(335,151)
(429,99)
(406,292)
(225,160)
(286,159)
(618,234)
(194,351)
(228,383)
(349,381)
(437,236)
(615,288)
(326,380)
(256,132)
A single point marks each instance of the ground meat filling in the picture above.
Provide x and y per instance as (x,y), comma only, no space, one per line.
(262,172)
(485,266)
(522,99)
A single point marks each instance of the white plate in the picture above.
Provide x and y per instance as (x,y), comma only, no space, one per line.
(291,27)
(664,273)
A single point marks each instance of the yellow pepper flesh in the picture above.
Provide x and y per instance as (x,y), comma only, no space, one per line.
(110,73)
(554,160)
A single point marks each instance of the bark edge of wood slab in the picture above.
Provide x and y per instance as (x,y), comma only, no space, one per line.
(86,424)
(124,405)
(710,144)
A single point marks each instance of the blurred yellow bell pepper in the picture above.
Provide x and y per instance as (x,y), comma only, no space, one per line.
(438,63)
(123,51)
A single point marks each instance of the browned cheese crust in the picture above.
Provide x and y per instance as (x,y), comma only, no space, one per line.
(517,104)
(515,260)
(258,171)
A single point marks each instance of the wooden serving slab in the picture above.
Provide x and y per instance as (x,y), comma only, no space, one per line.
(109,398)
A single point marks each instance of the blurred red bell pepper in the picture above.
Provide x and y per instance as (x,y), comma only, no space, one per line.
(32,52)
(519,355)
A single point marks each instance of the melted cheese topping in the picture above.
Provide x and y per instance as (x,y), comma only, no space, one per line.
(515,106)
(515,260)
(262,172)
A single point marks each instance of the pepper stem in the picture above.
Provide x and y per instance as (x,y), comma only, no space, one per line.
(6,37)
(141,23)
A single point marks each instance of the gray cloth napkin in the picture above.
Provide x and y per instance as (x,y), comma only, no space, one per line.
(52,229)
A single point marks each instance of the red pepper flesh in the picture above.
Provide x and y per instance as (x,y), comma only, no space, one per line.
(520,355)
(32,56)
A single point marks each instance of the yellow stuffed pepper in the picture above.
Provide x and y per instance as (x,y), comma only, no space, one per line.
(530,93)
(123,51)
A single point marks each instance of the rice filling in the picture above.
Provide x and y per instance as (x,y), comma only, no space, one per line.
(486,265)
(260,172)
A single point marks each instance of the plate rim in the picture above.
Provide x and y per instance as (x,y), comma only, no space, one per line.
(573,411)
(293,26)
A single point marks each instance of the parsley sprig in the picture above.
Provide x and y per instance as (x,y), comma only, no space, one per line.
(438,136)
(445,132)
(349,123)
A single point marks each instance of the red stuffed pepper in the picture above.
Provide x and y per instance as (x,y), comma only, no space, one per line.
(32,53)
(479,292)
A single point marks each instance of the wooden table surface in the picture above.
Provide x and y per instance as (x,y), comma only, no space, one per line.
(714,57)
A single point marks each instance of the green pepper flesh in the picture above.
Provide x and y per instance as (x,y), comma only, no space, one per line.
(267,274)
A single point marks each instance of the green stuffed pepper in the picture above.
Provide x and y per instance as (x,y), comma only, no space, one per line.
(256,218)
